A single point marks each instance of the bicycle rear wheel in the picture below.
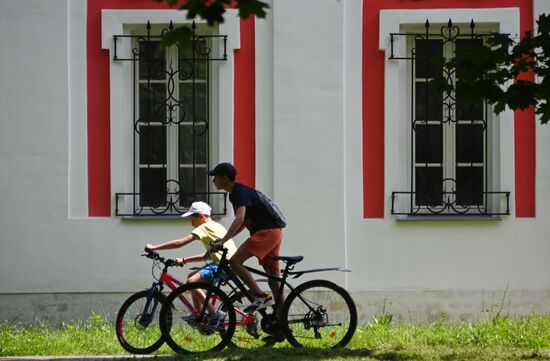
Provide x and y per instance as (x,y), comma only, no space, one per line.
(137,323)
(319,314)
(188,318)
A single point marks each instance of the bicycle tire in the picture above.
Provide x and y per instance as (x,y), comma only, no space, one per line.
(320,314)
(137,335)
(181,329)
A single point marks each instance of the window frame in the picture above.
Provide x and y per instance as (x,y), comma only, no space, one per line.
(116,22)
(173,162)
(398,144)
(449,122)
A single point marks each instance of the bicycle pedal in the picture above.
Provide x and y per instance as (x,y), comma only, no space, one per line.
(254,333)
(272,339)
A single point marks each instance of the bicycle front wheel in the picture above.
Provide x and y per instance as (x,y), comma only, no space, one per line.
(137,322)
(319,314)
(197,317)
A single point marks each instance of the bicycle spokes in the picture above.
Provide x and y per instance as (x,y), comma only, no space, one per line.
(207,325)
(137,326)
(319,314)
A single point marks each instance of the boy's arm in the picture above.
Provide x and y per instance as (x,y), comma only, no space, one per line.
(236,227)
(176,243)
(191,259)
(241,229)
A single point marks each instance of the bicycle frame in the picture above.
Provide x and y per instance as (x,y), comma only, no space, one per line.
(236,285)
(164,279)
(246,317)
(173,283)
(286,273)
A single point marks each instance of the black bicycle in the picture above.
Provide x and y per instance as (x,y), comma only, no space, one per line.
(317,313)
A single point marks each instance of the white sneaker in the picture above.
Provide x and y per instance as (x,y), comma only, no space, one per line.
(259,303)
(216,320)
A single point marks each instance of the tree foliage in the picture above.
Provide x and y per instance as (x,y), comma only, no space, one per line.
(501,72)
(213,12)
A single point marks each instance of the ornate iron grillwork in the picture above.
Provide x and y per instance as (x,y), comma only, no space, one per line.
(171,123)
(449,144)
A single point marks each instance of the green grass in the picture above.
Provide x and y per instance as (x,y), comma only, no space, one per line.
(502,338)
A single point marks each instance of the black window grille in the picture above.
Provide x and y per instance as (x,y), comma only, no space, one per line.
(171,123)
(449,144)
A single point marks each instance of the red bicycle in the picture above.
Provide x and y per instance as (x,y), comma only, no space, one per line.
(137,323)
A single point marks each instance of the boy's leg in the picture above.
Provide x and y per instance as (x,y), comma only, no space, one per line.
(194,277)
(203,275)
(274,285)
(191,274)
(272,267)
(236,262)
(264,244)
(197,295)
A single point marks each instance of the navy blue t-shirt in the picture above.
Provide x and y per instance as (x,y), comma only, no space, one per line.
(256,217)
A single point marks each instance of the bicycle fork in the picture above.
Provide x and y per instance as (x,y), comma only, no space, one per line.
(146,317)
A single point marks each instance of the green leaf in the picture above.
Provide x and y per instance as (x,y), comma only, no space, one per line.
(252,7)
(544,112)
(181,36)
(169,2)
(521,95)
(211,11)
(543,23)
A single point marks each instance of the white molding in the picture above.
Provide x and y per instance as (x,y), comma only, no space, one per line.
(542,134)
(78,125)
(77,100)
(391,20)
(353,124)
(264,102)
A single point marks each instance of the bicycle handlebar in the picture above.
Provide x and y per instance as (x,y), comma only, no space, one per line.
(223,249)
(157,257)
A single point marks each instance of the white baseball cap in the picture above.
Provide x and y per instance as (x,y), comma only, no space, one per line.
(198,207)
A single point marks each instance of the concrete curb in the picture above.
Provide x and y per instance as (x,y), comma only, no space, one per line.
(88,358)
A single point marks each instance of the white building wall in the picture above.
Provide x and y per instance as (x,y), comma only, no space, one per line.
(308,128)
(264,102)
(309,157)
(420,267)
(455,267)
(47,246)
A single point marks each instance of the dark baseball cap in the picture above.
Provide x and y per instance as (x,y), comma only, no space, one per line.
(224,169)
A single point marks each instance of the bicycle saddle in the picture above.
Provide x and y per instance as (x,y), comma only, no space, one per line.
(289,259)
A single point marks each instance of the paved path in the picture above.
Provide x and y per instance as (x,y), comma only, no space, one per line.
(88,358)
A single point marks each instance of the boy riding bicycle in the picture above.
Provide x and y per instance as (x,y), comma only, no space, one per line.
(265,238)
(207,231)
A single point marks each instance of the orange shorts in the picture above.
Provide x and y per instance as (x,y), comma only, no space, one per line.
(265,244)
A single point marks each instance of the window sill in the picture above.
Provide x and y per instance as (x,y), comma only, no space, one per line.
(127,205)
(150,218)
(449,218)
(161,218)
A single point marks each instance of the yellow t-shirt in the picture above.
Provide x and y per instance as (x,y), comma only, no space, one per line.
(209,232)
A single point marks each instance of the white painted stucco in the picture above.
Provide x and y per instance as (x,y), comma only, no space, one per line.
(308,153)
(49,244)
(264,102)
(308,128)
